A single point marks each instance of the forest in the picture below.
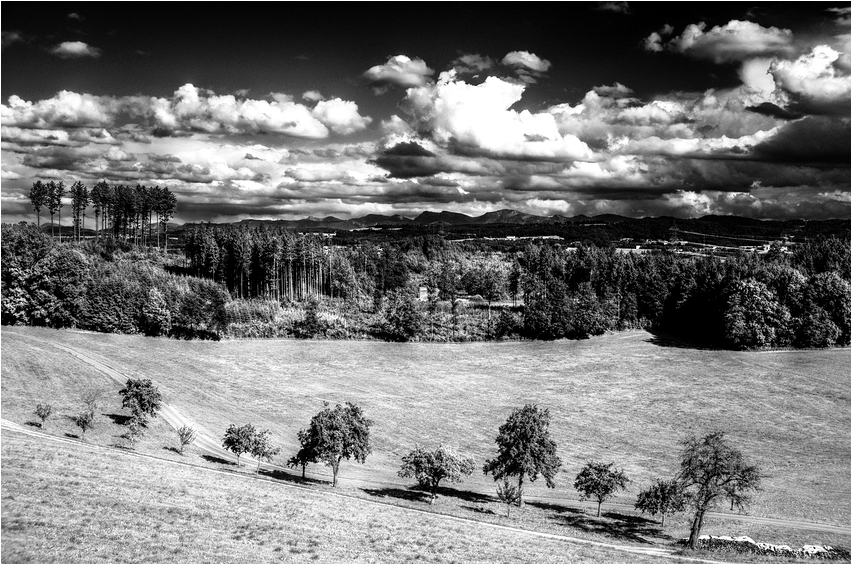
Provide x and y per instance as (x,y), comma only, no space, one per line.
(238,282)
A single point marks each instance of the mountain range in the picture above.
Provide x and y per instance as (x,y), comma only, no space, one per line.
(434,218)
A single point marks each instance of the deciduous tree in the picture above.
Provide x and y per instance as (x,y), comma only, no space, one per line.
(599,481)
(431,467)
(142,397)
(307,452)
(43,411)
(84,422)
(262,448)
(663,498)
(524,448)
(341,433)
(239,440)
(712,470)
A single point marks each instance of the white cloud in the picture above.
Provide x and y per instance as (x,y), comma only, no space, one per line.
(478,119)
(75,50)
(68,109)
(755,74)
(312,96)
(735,41)
(527,60)
(528,66)
(814,79)
(401,71)
(341,116)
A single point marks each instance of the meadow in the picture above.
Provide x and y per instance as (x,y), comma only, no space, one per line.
(626,398)
(73,504)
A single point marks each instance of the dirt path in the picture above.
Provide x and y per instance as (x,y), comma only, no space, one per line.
(213,447)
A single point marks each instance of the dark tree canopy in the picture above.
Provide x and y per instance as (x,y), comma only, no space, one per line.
(524,448)
(600,481)
(711,470)
(142,397)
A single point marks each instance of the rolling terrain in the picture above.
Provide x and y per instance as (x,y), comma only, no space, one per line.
(625,398)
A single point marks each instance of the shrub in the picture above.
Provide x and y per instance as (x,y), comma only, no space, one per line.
(186,435)
(43,412)
(84,422)
(509,495)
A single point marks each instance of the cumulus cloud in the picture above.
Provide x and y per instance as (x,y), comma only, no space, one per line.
(312,96)
(401,71)
(814,81)
(75,50)
(341,116)
(476,119)
(66,109)
(735,41)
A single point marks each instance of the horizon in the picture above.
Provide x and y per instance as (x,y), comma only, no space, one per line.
(638,110)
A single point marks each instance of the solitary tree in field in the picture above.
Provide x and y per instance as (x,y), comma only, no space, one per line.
(43,411)
(663,498)
(712,470)
(524,449)
(599,481)
(341,433)
(239,440)
(142,398)
(509,495)
(84,422)
(431,467)
(186,435)
(307,452)
(262,448)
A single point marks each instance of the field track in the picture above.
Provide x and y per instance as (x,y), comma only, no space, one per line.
(213,447)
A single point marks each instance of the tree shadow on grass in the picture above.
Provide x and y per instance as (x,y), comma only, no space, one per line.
(219,460)
(74,436)
(119,419)
(421,494)
(170,448)
(33,424)
(478,509)
(613,524)
(661,339)
(280,475)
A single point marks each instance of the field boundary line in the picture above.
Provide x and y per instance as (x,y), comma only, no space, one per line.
(650,551)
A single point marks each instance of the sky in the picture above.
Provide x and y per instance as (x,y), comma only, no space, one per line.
(290,110)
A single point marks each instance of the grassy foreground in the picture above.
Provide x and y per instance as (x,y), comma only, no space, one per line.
(625,398)
(72,503)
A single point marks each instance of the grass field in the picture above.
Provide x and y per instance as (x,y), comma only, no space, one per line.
(71,504)
(622,398)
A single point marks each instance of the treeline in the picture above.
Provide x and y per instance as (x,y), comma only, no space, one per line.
(748,301)
(121,211)
(778,299)
(105,286)
(268,282)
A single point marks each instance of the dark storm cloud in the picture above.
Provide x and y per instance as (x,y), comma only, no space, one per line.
(811,140)
(770,109)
